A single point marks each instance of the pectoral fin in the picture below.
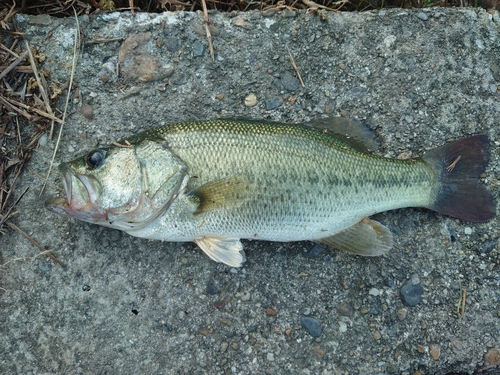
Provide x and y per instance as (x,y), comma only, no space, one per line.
(223,249)
(367,238)
(220,194)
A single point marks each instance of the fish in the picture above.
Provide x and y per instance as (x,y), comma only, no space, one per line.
(215,182)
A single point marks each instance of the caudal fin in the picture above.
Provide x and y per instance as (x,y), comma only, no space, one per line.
(460,164)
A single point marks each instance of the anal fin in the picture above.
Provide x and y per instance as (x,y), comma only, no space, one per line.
(226,250)
(367,238)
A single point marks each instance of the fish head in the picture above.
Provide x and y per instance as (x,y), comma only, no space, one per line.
(119,187)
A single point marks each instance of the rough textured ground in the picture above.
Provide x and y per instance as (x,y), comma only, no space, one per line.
(131,306)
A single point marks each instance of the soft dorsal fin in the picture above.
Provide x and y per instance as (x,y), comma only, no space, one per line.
(367,238)
(226,250)
(220,194)
(350,131)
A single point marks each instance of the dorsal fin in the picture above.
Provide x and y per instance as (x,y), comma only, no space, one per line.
(350,131)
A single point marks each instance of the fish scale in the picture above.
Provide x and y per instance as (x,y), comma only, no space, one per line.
(279,158)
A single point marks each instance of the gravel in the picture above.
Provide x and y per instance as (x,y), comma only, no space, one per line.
(417,78)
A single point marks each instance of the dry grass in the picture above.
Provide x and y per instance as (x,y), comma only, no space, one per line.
(63,8)
(26,102)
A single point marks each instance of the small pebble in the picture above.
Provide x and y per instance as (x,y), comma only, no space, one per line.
(402,313)
(289,82)
(235,346)
(434,351)
(492,357)
(273,103)
(44,267)
(172,44)
(423,16)
(342,327)
(374,292)
(223,347)
(345,309)
(411,293)
(377,335)
(312,326)
(212,288)
(88,112)
(270,312)
(317,250)
(468,230)
(420,349)
(198,49)
(43,140)
(488,248)
(270,357)
(245,296)
(251,100)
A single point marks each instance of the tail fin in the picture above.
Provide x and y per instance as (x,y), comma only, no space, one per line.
(460,164)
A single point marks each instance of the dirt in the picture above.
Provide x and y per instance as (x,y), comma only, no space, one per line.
(120,304)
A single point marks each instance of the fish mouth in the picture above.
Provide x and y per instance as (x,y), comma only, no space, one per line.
(81,194)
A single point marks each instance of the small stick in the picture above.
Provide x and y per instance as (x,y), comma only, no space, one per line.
(25,235)
(209,35)
(77,39)
(99,41)
(126,145)
(38,80)
(14,64)
(292,61)
(10,103)
(450,167)
(8,213)
(461,304)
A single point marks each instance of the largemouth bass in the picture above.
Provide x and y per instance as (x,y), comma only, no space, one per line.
(216,182)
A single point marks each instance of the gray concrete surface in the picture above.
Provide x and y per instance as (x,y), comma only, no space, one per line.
(123,305)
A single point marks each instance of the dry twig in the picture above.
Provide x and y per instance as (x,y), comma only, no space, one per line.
(75,58)
(292,61)
(25,235)
(206,21)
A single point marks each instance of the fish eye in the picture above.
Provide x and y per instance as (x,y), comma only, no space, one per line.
(95,159)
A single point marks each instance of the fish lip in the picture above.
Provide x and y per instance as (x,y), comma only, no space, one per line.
(79,201)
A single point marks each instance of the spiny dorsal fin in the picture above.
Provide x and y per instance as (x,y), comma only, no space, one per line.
(367,238)
(350,131)
(220,194)
(226,250)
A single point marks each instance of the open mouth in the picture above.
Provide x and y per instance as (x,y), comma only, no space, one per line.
(81,194)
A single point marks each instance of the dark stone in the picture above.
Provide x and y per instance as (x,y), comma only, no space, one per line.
(179,79)
(317,250)
(198,49)
(312,326)
(172,44)
(273,103)
(411,294)
(488,248)
(212,288)
(289,82)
